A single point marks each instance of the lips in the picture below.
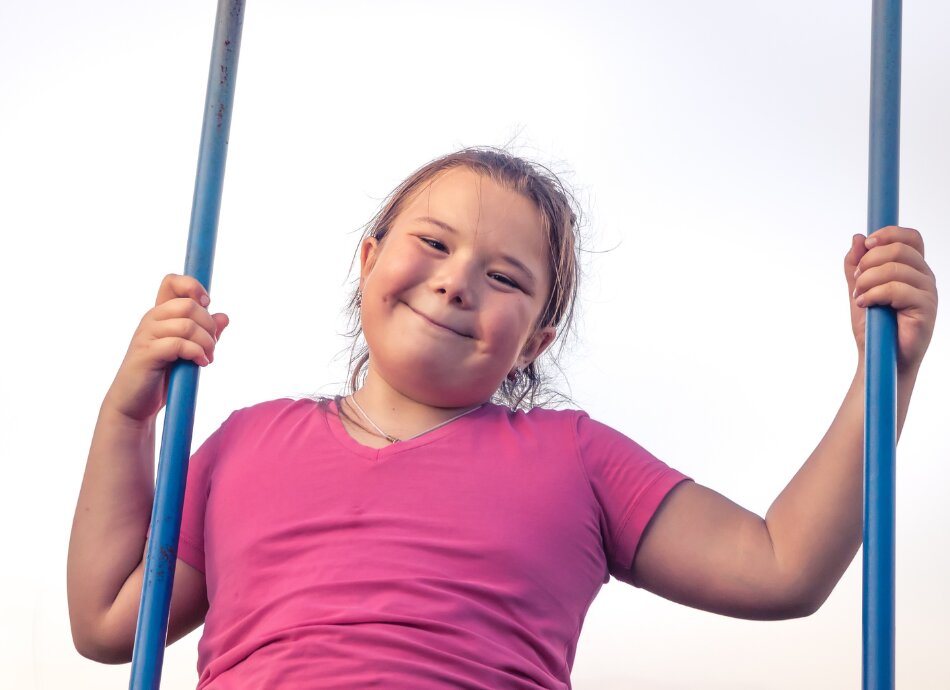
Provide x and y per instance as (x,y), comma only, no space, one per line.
(439,324)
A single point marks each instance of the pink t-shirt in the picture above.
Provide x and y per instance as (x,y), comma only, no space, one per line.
(464,558)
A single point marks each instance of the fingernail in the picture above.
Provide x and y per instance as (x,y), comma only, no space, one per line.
(856,272)
(204,300)
(870,242)
(860,301)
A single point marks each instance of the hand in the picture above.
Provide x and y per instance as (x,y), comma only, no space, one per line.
(891,271)
(178,327)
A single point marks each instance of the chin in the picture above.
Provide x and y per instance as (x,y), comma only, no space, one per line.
(436,388)
(444,395)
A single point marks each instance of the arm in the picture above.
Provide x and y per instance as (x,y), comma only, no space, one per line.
(704,551)
(105,567)
(108,536)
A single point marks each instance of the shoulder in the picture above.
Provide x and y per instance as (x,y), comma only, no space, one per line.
(577,422)
(542,425)
(248,430)
(264,415)
(279,405)
(535,417)
(583,430)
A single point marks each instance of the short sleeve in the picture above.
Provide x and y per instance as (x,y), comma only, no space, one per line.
(197,489)
(629,484)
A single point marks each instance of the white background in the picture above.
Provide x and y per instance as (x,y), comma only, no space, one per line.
(720,150)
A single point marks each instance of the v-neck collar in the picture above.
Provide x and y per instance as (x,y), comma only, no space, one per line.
(342,436)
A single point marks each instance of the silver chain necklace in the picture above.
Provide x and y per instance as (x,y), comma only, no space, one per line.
(393,439)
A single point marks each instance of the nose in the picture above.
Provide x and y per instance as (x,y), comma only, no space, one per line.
(454,281)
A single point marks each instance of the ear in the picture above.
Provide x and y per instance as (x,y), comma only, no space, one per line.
(369,252)
(537,343)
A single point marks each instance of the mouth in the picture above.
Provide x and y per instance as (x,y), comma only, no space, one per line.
(440,326)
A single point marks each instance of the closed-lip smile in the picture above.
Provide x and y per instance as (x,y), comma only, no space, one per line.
(439,325)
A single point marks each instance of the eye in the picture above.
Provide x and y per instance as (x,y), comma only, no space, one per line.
(505,280)
(435,244)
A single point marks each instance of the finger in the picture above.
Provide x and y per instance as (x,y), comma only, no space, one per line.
(185,329)
(894,253)
(221,321)
(174,285)
(184,307)
(171,349)
(893,273)
(896,233)
(895,295)
(853,258)
(857,251)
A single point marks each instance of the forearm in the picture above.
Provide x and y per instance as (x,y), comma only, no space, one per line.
(815,524)
(112,515)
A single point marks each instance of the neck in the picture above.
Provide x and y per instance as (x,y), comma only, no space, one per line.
(397,414)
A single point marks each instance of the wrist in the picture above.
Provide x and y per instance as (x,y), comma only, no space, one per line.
(908,374)
(904,373)
(112,413)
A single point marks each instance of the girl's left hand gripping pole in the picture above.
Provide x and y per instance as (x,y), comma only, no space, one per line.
(152,627)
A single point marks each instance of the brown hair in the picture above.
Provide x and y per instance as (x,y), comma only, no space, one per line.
(560,218)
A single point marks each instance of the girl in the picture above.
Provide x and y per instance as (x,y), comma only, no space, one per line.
(434,528)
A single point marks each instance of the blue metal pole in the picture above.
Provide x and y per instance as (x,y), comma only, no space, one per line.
(161,556)
(880,419)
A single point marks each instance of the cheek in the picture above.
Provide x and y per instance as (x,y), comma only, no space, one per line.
(508,328)
(397,272)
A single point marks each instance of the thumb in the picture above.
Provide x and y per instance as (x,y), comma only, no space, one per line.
(852,258)
(221,322)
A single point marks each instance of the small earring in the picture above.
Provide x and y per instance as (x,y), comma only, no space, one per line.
(359,298)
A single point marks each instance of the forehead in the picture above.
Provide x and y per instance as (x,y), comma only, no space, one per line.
(477,205)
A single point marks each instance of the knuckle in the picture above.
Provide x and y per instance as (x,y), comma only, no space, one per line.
(191,307)
(187,349)
(192,310)
(162,350)
(908,251)
(181,284)
(181,349)
(190,329)
(174,307)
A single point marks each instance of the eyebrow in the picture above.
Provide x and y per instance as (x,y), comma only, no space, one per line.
(505,257)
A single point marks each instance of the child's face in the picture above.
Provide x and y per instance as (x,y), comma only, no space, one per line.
(448,313)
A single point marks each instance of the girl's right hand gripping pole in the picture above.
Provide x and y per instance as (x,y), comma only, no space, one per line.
(880,417)
(162,553)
